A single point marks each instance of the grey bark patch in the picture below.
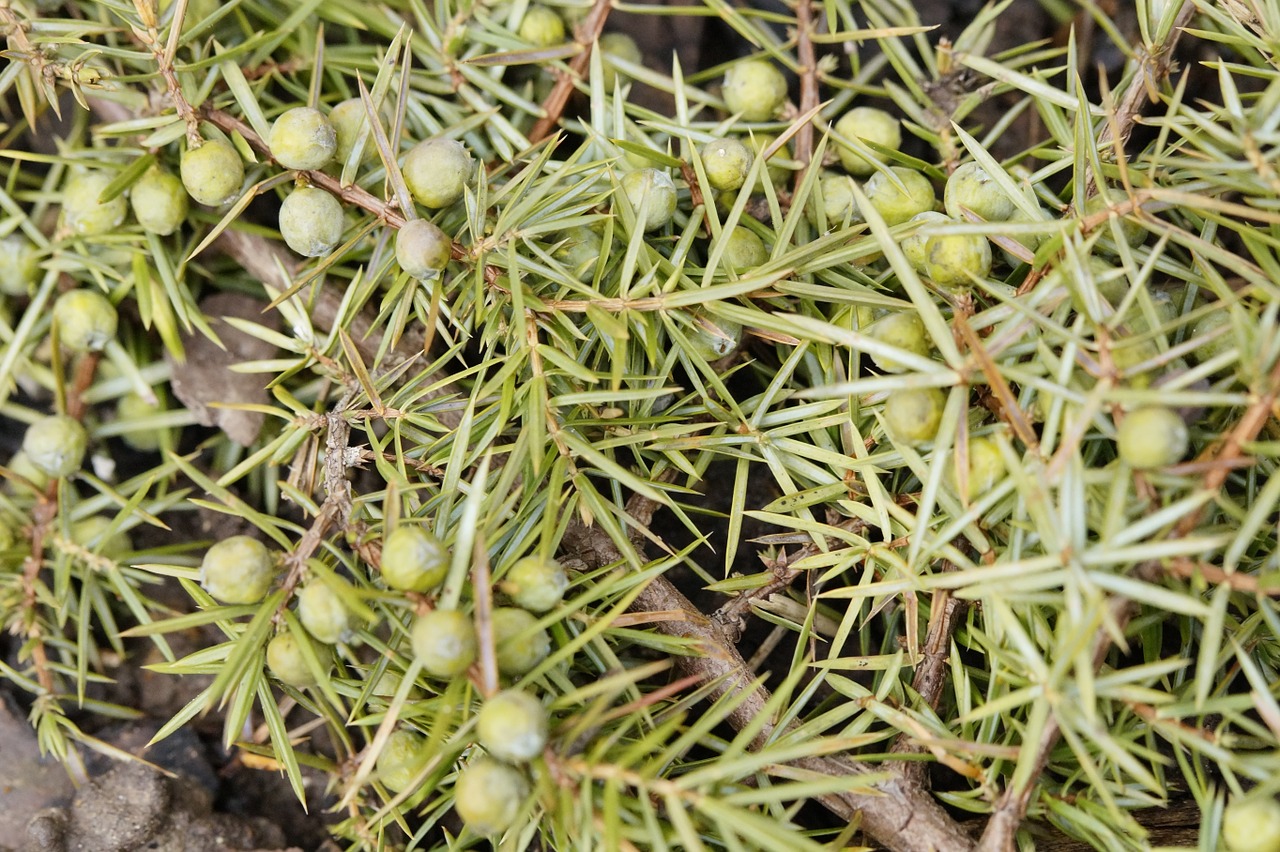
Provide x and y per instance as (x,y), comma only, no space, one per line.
(28,783)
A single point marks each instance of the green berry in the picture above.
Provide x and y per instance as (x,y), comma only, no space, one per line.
(760,143)
(349,121)
(512,726)
(727,163)
(652,195)
(1031,242)
(55,445)
(489,795)
(714,339)
(541,27)
(755,88)
(913,415)
(913,245)
(303,138)
(19,264)
(743,250)
(237,570)
(970,186)
(21,465)
(311,221)
(536,584)
(1252,825)
(519,644)
(838,203)
(83,210)
(867,124)
(903,330)
(444,641)
(287,663)
(413,560)
(579,250)
(91,533)
(1219,345)
(422,249)
(986,467)
(132,408)
(212,173)
(159,201)
(1132,232)
(900,194)
(402,759)
(322,612)
(86,320)
(1152,437)
(617,46)
(437,172)
(953,260)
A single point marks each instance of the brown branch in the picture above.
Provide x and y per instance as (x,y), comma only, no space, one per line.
(149,36)
(587,33)
(808,87)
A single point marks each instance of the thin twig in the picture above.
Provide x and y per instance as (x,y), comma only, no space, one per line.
(553,107)
(808,87)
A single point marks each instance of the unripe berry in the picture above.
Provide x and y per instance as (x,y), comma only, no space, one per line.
(913,245)
(652,195)
(970,186)
(619,46)
(444,641)
(1219,345)
(19,264)
(55,445)
(869,125)
(838,203)
(760,143)
(159,201)
(512,726)
(713,339)
(1134,234)
(437,172)
(21,465)
(212,174)
(489,795)
(913,415)
(536,584)
(1032,242)
(422,249)
(743,251)
(1252,825)
(902,329)
(901,196)
(131,408)
(986,467)
(286,662)
(303,138)
(518,644)
(83,212)
(349,120)
(413,560)
(237,570)
(91,533)
(580,252)
(311,221)
(401,759)
(954,260)
(727,163)
(755,88)
(1152,437)
(322,612)
(541,27)
(86,320)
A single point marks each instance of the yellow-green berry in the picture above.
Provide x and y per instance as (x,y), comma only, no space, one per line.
(986,467)
(903,330)
(541,26)
(91,533)
(159,201)
(579,250)
(413,559)
(743,250)
(913,415)
(303,138)
(21,465)
(866,124)
(1151,437)
(422,249)
(349,121)
(652,195)
(83,210)
(1219,345)
(518,642)
(535,583)
(19,264)
(401,759)
(755,88)
(311,221)
(713,339)
(900,194)
(55,445)
(1132,232)
(237,570)
(131,408)
(727,163)
(760,143)
(512,726)
(970,186)
(444,641)
(955,260)
(286,661)
(322,612)
(617,46)
(437,172)
(913,245)
(489,795)
(212,174)
(838,203)
(1252,825)
(86,320)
